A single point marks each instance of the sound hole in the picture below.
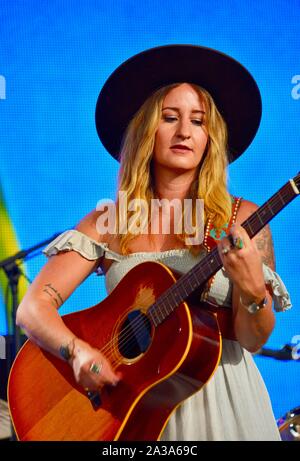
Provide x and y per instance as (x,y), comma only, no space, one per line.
(135,335)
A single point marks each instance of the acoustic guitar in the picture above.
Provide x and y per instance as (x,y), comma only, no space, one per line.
(166,347)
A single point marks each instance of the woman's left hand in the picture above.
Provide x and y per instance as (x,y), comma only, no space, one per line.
(243,263)
(243,260)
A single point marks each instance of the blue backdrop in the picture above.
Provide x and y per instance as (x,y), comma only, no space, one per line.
(55,57)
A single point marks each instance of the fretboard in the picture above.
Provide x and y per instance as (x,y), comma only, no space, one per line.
(211,263)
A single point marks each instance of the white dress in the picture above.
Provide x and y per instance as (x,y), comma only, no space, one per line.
(234,405)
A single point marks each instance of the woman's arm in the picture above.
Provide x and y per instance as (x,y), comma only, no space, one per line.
(244,267)
(37,313)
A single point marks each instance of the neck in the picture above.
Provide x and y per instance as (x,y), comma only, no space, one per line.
(172,184)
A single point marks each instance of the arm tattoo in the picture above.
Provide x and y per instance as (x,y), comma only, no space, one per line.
(264,244)
(54,294)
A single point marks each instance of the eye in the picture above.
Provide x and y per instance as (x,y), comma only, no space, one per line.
(197,122)
(169,118)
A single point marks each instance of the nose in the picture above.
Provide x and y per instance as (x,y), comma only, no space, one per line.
(183,129)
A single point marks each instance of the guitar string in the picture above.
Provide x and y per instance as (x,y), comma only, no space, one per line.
(133,339)
(139,323)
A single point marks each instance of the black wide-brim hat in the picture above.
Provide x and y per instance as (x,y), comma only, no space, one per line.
(232,87)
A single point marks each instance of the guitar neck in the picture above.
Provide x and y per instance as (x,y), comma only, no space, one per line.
(271,208)
(211,263)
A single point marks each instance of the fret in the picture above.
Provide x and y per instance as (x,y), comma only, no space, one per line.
(261,220)
(211,263)
(291,192)
(164,309)
(248,225)
(263,212)
(164,303)
(152,314)
(186,292)
(176,297)
(157,322)
(157,316)
(277,205)
(159,313)
(167,307)
(173,304)
(279,195)
(159,319)
(283,199)
(190,283)
(202,271)
(269,206)
(196,282)
(283,196)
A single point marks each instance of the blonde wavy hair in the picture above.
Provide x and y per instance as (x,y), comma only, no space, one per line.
(135,174)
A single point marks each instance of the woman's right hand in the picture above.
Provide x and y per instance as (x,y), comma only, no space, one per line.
(91,369)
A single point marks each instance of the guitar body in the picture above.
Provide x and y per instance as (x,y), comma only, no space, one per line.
(179,358)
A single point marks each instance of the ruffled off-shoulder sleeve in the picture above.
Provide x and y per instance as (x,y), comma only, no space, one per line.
(73,240)
(77,241)
(281,297)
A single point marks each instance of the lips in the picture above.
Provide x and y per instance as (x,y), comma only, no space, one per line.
(180,147)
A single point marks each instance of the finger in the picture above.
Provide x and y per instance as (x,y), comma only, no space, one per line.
(96,367)
(104,373)
(225,252)
(238,237)
(237,229)
(226,244)
(110,374)
(225,249)
(236,242)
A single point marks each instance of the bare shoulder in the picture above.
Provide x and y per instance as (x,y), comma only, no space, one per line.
(88,226)
(263,239)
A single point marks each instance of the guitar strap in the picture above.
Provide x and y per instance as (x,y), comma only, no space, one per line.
(212,238)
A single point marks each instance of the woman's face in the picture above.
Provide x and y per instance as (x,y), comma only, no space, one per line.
(181,136)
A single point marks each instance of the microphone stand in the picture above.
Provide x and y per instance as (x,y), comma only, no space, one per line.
(285,353)
(13,273)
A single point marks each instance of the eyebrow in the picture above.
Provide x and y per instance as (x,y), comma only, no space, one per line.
(195,111)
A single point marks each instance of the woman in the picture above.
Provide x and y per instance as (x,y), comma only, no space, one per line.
(175,147)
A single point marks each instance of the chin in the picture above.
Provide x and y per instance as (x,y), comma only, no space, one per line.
(182,162)
(182,166)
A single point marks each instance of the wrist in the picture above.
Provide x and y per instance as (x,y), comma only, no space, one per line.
(254,305)
(67,350)
(257,297)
